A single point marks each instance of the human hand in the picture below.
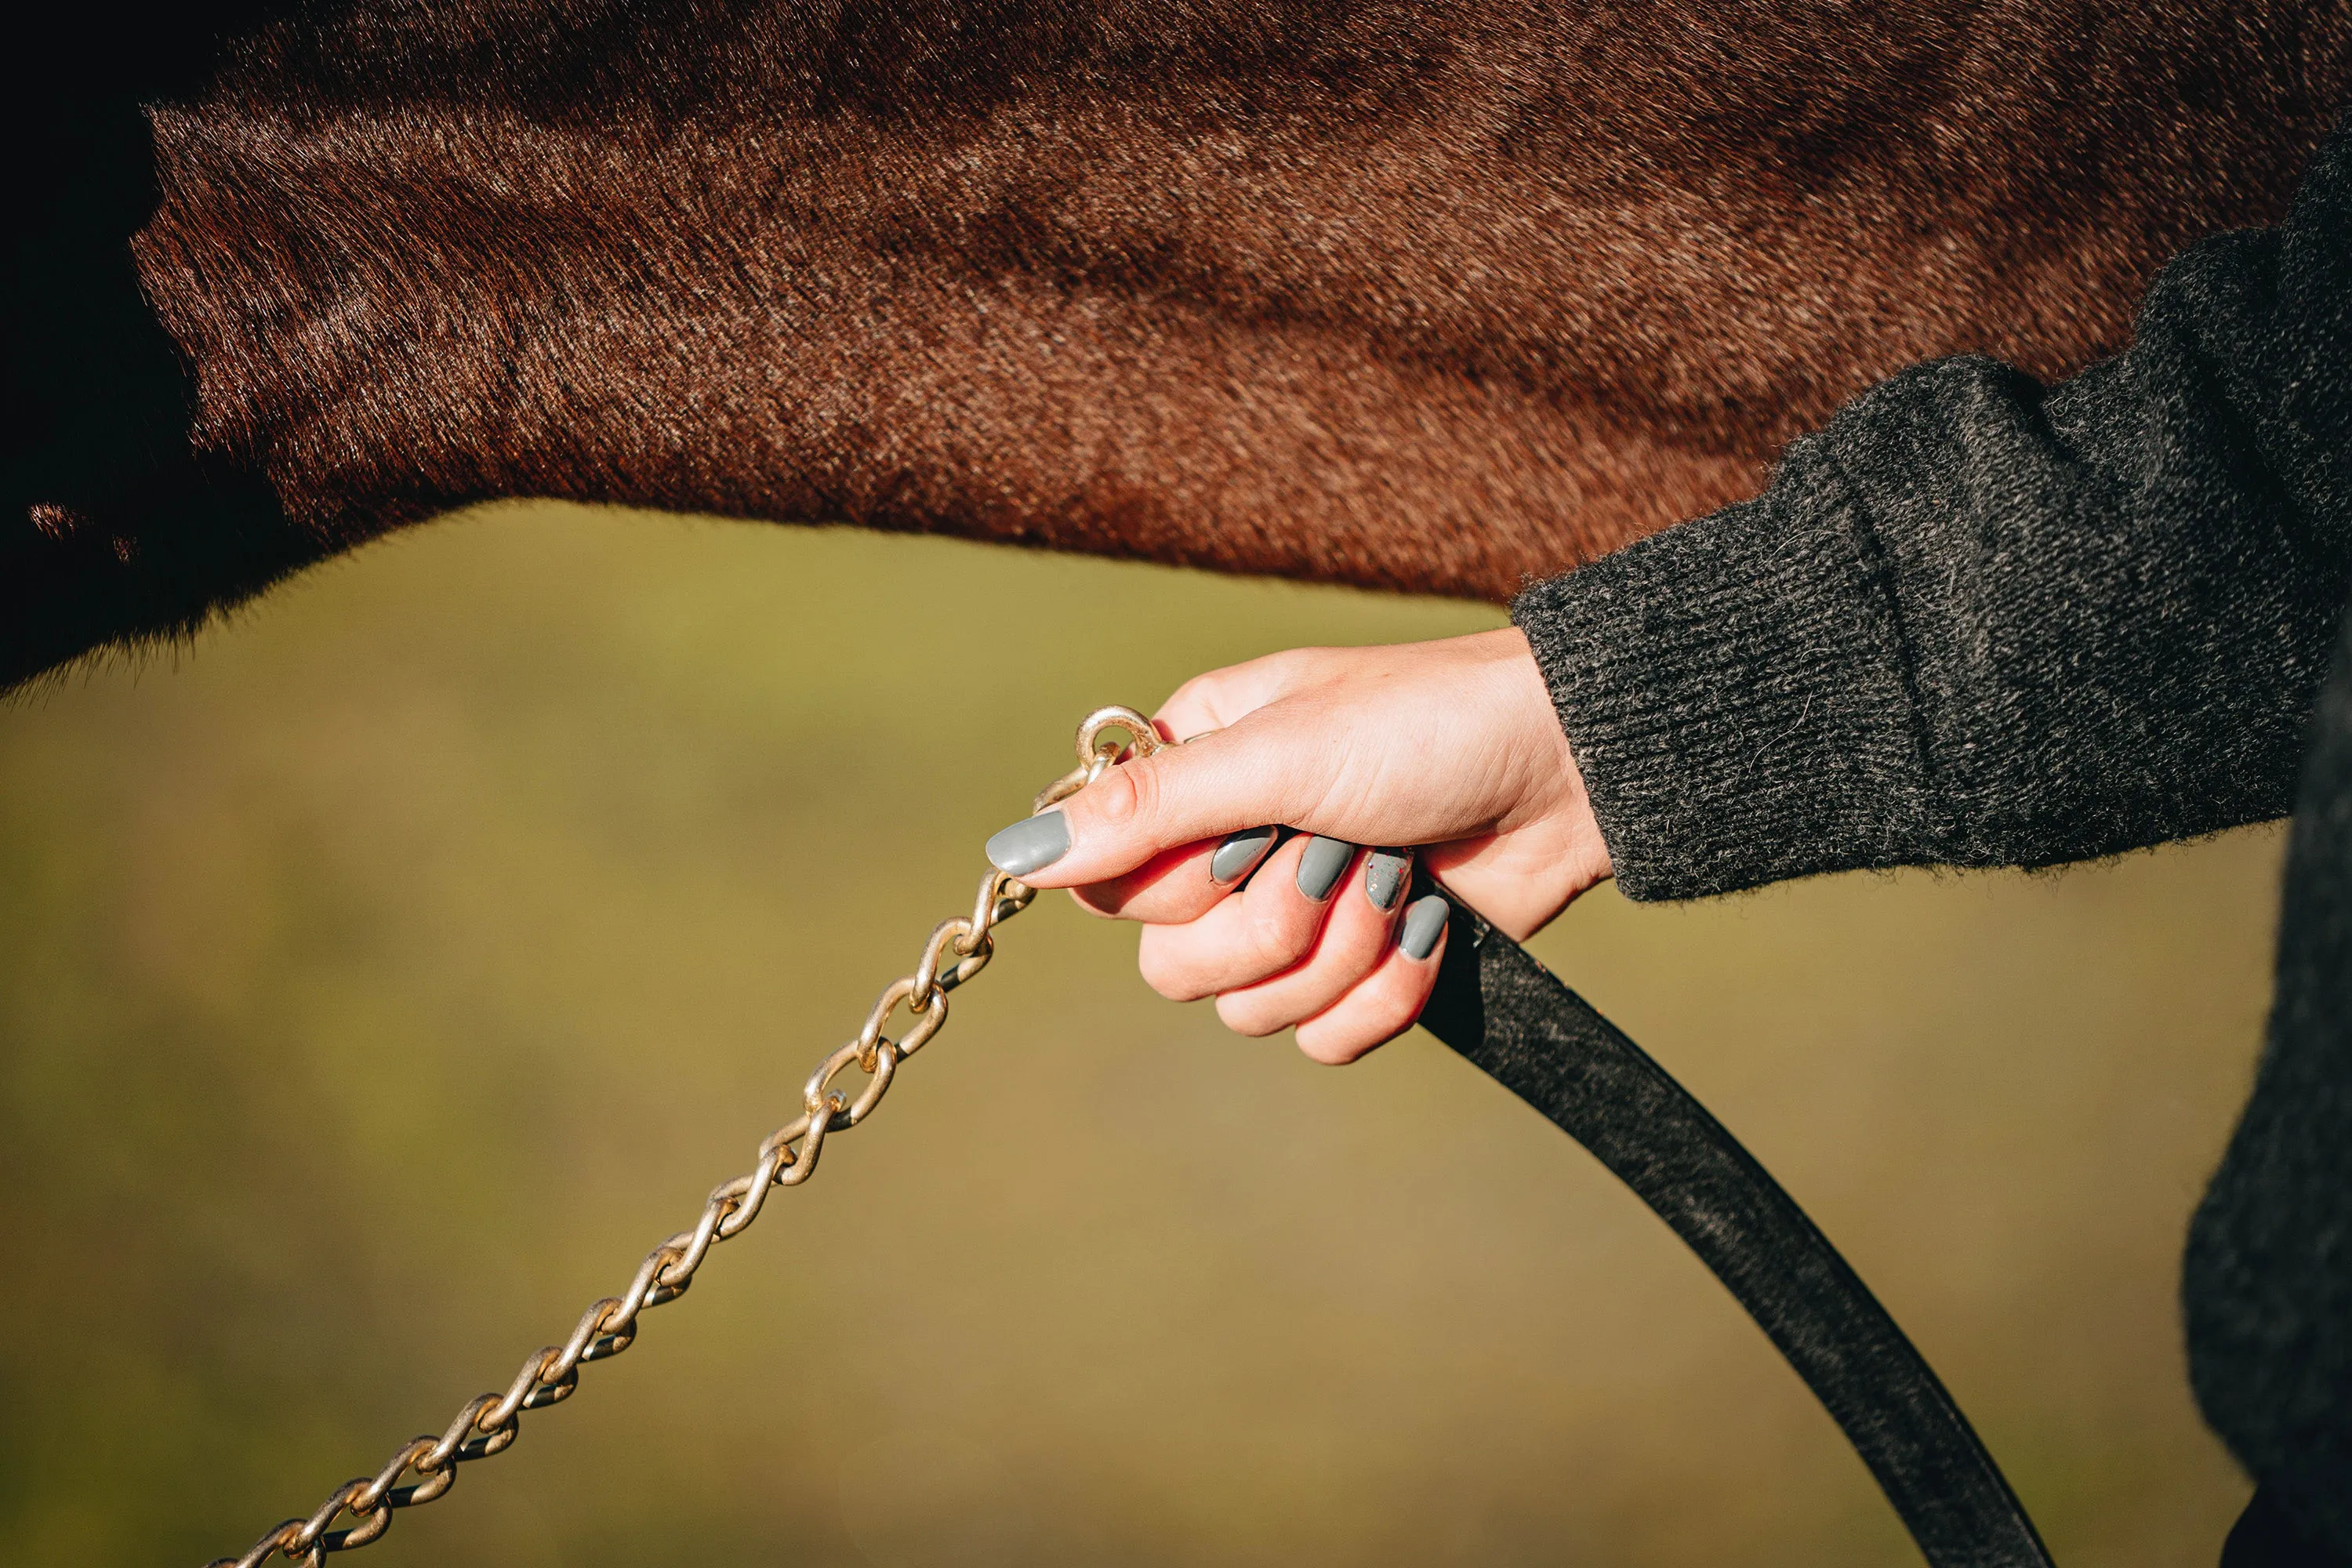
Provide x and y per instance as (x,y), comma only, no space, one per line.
(1452,746)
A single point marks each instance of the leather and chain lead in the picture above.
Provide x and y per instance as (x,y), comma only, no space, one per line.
(425,1467)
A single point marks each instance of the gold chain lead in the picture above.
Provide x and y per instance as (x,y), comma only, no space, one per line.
(958,950)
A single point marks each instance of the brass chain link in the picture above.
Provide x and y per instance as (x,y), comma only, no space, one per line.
(487,1424)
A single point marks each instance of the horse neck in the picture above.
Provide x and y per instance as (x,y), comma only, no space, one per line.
(1425,300)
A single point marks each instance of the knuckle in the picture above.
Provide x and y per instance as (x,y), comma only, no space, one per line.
(1391,1017)
(1139,798)
(1248,1015)
(1331,1047)
(1369,1018)
(1117,796)
(1390,1030)
(1167,971)
(1278,940)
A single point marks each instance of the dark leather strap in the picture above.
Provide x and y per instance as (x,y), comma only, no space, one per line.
(1507,1014)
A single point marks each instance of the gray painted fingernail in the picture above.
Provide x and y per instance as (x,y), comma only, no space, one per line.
(1238,855)
(1384,875)
(1030,844)
(1321,866)
(1424,923)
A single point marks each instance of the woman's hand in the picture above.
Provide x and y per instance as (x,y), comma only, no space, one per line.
(1452,746)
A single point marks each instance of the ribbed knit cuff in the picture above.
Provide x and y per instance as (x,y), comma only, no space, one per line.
(1734,691)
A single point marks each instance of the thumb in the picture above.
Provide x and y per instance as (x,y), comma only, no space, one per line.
(1219,782)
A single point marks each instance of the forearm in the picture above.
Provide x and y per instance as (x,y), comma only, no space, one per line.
(1978,622)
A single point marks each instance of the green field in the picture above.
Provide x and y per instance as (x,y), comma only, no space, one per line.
(381,978)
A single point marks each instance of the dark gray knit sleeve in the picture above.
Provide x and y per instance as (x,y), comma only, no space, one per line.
(1978,621)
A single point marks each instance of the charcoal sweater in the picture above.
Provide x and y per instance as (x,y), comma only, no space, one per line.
(1979,621)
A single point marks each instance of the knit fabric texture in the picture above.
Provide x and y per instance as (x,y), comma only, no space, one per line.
(1978,621)
(2268,1286)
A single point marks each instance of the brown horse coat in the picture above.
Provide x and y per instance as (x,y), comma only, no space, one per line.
(1419,297)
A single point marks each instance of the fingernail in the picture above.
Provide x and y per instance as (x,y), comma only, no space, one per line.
(1384,875)
(1030,844)
(1423,924)
(1321,866)
(1238,855)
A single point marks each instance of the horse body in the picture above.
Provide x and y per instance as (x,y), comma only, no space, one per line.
(1431,300)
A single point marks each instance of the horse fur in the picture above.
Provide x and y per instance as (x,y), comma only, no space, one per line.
(1414,298)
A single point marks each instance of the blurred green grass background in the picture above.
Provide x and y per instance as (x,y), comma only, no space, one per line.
(381,980)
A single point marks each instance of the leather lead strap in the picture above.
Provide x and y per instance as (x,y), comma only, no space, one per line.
(1509,1014)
